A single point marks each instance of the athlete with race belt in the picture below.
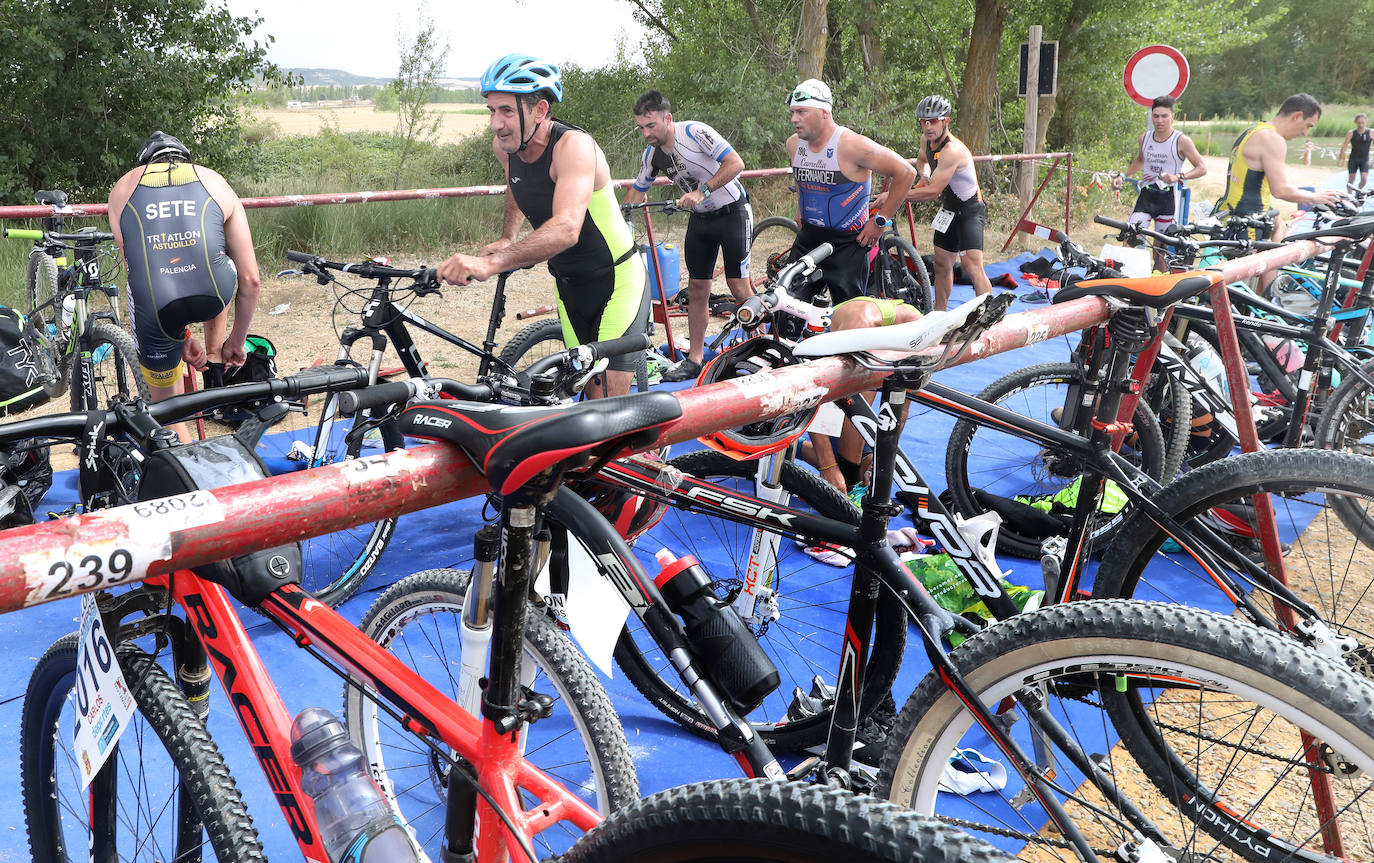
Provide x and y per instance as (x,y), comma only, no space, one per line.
(959,224)
(1160,159)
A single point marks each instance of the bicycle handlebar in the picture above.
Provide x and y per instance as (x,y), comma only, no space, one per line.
(306,382)
(752,312)
(425,278)
(669,207)
(83,237)
(592,351)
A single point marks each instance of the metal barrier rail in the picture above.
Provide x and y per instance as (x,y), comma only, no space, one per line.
(39,211)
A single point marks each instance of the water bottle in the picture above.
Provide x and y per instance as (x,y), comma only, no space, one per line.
(730,655)
(68,310)
(356,823)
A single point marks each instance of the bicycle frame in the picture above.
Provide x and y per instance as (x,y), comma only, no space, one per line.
(220,640)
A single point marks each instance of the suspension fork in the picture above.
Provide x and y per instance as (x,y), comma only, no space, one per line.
(754,601)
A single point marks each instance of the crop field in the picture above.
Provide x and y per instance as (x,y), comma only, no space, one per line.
(458,120)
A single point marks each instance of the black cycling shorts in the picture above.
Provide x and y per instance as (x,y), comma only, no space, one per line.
(724,232)
(965,233)
(617,316)
(1158,204)
(845,272)
(1351,166)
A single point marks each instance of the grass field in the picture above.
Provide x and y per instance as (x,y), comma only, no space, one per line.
(458,121)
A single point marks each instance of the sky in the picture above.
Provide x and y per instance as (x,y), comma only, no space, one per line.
(359,36)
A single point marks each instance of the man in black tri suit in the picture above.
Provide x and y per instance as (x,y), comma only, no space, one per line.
(1357,139)
(704,166)
(188,251)
(557,177)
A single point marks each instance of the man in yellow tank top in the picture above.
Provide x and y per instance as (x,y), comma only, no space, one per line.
(1257,174)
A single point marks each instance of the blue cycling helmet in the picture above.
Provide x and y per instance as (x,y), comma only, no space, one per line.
(521,73)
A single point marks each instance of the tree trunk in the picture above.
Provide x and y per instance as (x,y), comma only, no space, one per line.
(765,37)
(870,48)
(834,51)
(978,91)
(812,38)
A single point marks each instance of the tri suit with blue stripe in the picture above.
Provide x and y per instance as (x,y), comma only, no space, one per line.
(600,278)
(179,270)
(834,208)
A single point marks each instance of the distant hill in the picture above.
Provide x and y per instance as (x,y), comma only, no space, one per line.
(340,78)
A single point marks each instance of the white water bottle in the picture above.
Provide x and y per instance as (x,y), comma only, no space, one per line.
(356,823)
(68,310)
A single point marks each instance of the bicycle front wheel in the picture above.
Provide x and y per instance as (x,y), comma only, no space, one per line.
(992,460)
(41,284)
(803,635)
(744,820)
(1325,565)
(582,744)
(164,780)
(115,369)
(1211,712)
(336,565)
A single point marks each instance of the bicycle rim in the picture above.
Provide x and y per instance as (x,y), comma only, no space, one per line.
(1211,713)
(335,565)
(581,745)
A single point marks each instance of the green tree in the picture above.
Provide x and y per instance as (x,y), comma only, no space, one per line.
(85,82)
(422,59)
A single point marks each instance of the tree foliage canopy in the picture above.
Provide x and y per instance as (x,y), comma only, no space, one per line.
(83,82)
(731,63)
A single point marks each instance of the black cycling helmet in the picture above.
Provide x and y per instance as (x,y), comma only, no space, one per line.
(762,353)
(933,108)
(161,145)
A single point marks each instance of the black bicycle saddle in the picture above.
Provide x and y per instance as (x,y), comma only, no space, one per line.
(512,445)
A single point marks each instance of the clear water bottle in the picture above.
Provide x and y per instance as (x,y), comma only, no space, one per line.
(68,310)
(356,823)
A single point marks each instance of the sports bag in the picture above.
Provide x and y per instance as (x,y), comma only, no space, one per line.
(27,375)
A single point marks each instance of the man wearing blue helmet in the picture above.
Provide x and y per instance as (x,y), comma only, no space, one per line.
(558,178)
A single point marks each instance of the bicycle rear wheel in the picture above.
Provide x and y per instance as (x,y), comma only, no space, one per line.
(166,777)
(743,820)
(336,565)
(900,274)
(533,342)
(769,244)
(582,744)
(805,638)
(990,459)
(1326,566)
(1211,714)
(1347,424)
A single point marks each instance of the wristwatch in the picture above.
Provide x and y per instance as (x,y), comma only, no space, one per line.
(881,221)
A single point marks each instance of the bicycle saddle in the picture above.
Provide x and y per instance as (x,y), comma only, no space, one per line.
(51,198)
(1154,291)
(511,445)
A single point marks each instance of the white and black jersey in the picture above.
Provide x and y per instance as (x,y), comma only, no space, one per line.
(697,153)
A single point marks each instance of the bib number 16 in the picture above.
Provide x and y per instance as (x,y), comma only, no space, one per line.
(102,698)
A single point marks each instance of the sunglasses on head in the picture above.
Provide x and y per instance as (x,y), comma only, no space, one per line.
(801,96)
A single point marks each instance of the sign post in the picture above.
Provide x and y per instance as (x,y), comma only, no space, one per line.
(1028,168)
